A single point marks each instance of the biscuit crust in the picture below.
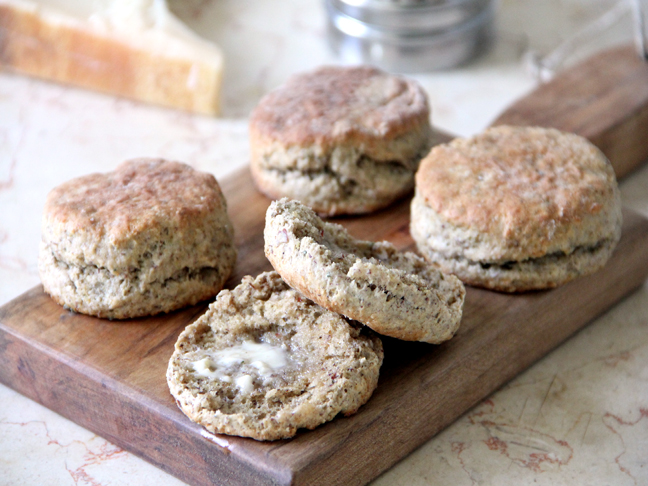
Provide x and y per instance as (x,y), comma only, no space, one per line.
(517,208)
(331,367)
(396,294)
(352,135)
(150,237)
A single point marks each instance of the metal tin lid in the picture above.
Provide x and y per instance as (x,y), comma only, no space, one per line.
(409,36)
(410,16)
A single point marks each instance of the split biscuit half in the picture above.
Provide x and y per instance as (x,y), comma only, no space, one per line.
(150,237)
(342,140)
(517,208)
(264,362)
(397,294)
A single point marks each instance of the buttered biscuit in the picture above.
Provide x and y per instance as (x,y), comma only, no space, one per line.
(342,140)
(264,361)
(396,294)
(517,208)
(150,237)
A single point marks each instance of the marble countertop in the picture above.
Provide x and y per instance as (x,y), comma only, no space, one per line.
(578,416)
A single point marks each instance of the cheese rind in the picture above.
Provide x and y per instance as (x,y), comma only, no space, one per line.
(138,50)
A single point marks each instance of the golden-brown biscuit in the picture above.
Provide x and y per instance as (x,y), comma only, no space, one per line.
(397,294)
(150,237)
(517,208)
(264,361)
(342,140)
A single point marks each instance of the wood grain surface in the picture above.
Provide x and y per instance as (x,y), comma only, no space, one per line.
(604,99)
(109,376)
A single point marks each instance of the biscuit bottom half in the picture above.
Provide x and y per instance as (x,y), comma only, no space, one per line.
(341,179)
(97,291)
(492,262)
(264,362)
(545,272)
(368,186)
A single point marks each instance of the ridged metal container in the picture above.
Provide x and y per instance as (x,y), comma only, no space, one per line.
(409,36)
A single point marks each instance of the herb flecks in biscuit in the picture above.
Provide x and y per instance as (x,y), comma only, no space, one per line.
(342,140)
(150,237)
(264,361)
(396,294)
(517,208)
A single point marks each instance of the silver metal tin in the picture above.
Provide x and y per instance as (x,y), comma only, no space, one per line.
(410,36)
(409,17)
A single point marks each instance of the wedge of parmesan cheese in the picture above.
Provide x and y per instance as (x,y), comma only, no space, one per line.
(132,48)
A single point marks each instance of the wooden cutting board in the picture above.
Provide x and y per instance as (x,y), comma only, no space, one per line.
(109,376)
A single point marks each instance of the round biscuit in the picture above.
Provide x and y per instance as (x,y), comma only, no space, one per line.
(343,140)
(150,237)
(516,208)
(312,364)
(397,294)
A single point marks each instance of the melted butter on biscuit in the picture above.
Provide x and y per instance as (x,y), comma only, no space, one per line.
(206,367)
(265,358)
(245,384)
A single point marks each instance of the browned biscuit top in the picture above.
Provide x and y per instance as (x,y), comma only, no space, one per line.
(140,195)
(335,104)
(527,185)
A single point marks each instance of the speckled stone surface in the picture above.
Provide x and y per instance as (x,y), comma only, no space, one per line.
(579,416)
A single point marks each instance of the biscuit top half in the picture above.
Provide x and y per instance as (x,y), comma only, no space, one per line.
(139,197)
(534,189)
(334,105)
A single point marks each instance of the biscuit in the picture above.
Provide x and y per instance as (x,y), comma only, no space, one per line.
(342,140)
(150,237)
(397,294)
(516,208)
(264,361)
